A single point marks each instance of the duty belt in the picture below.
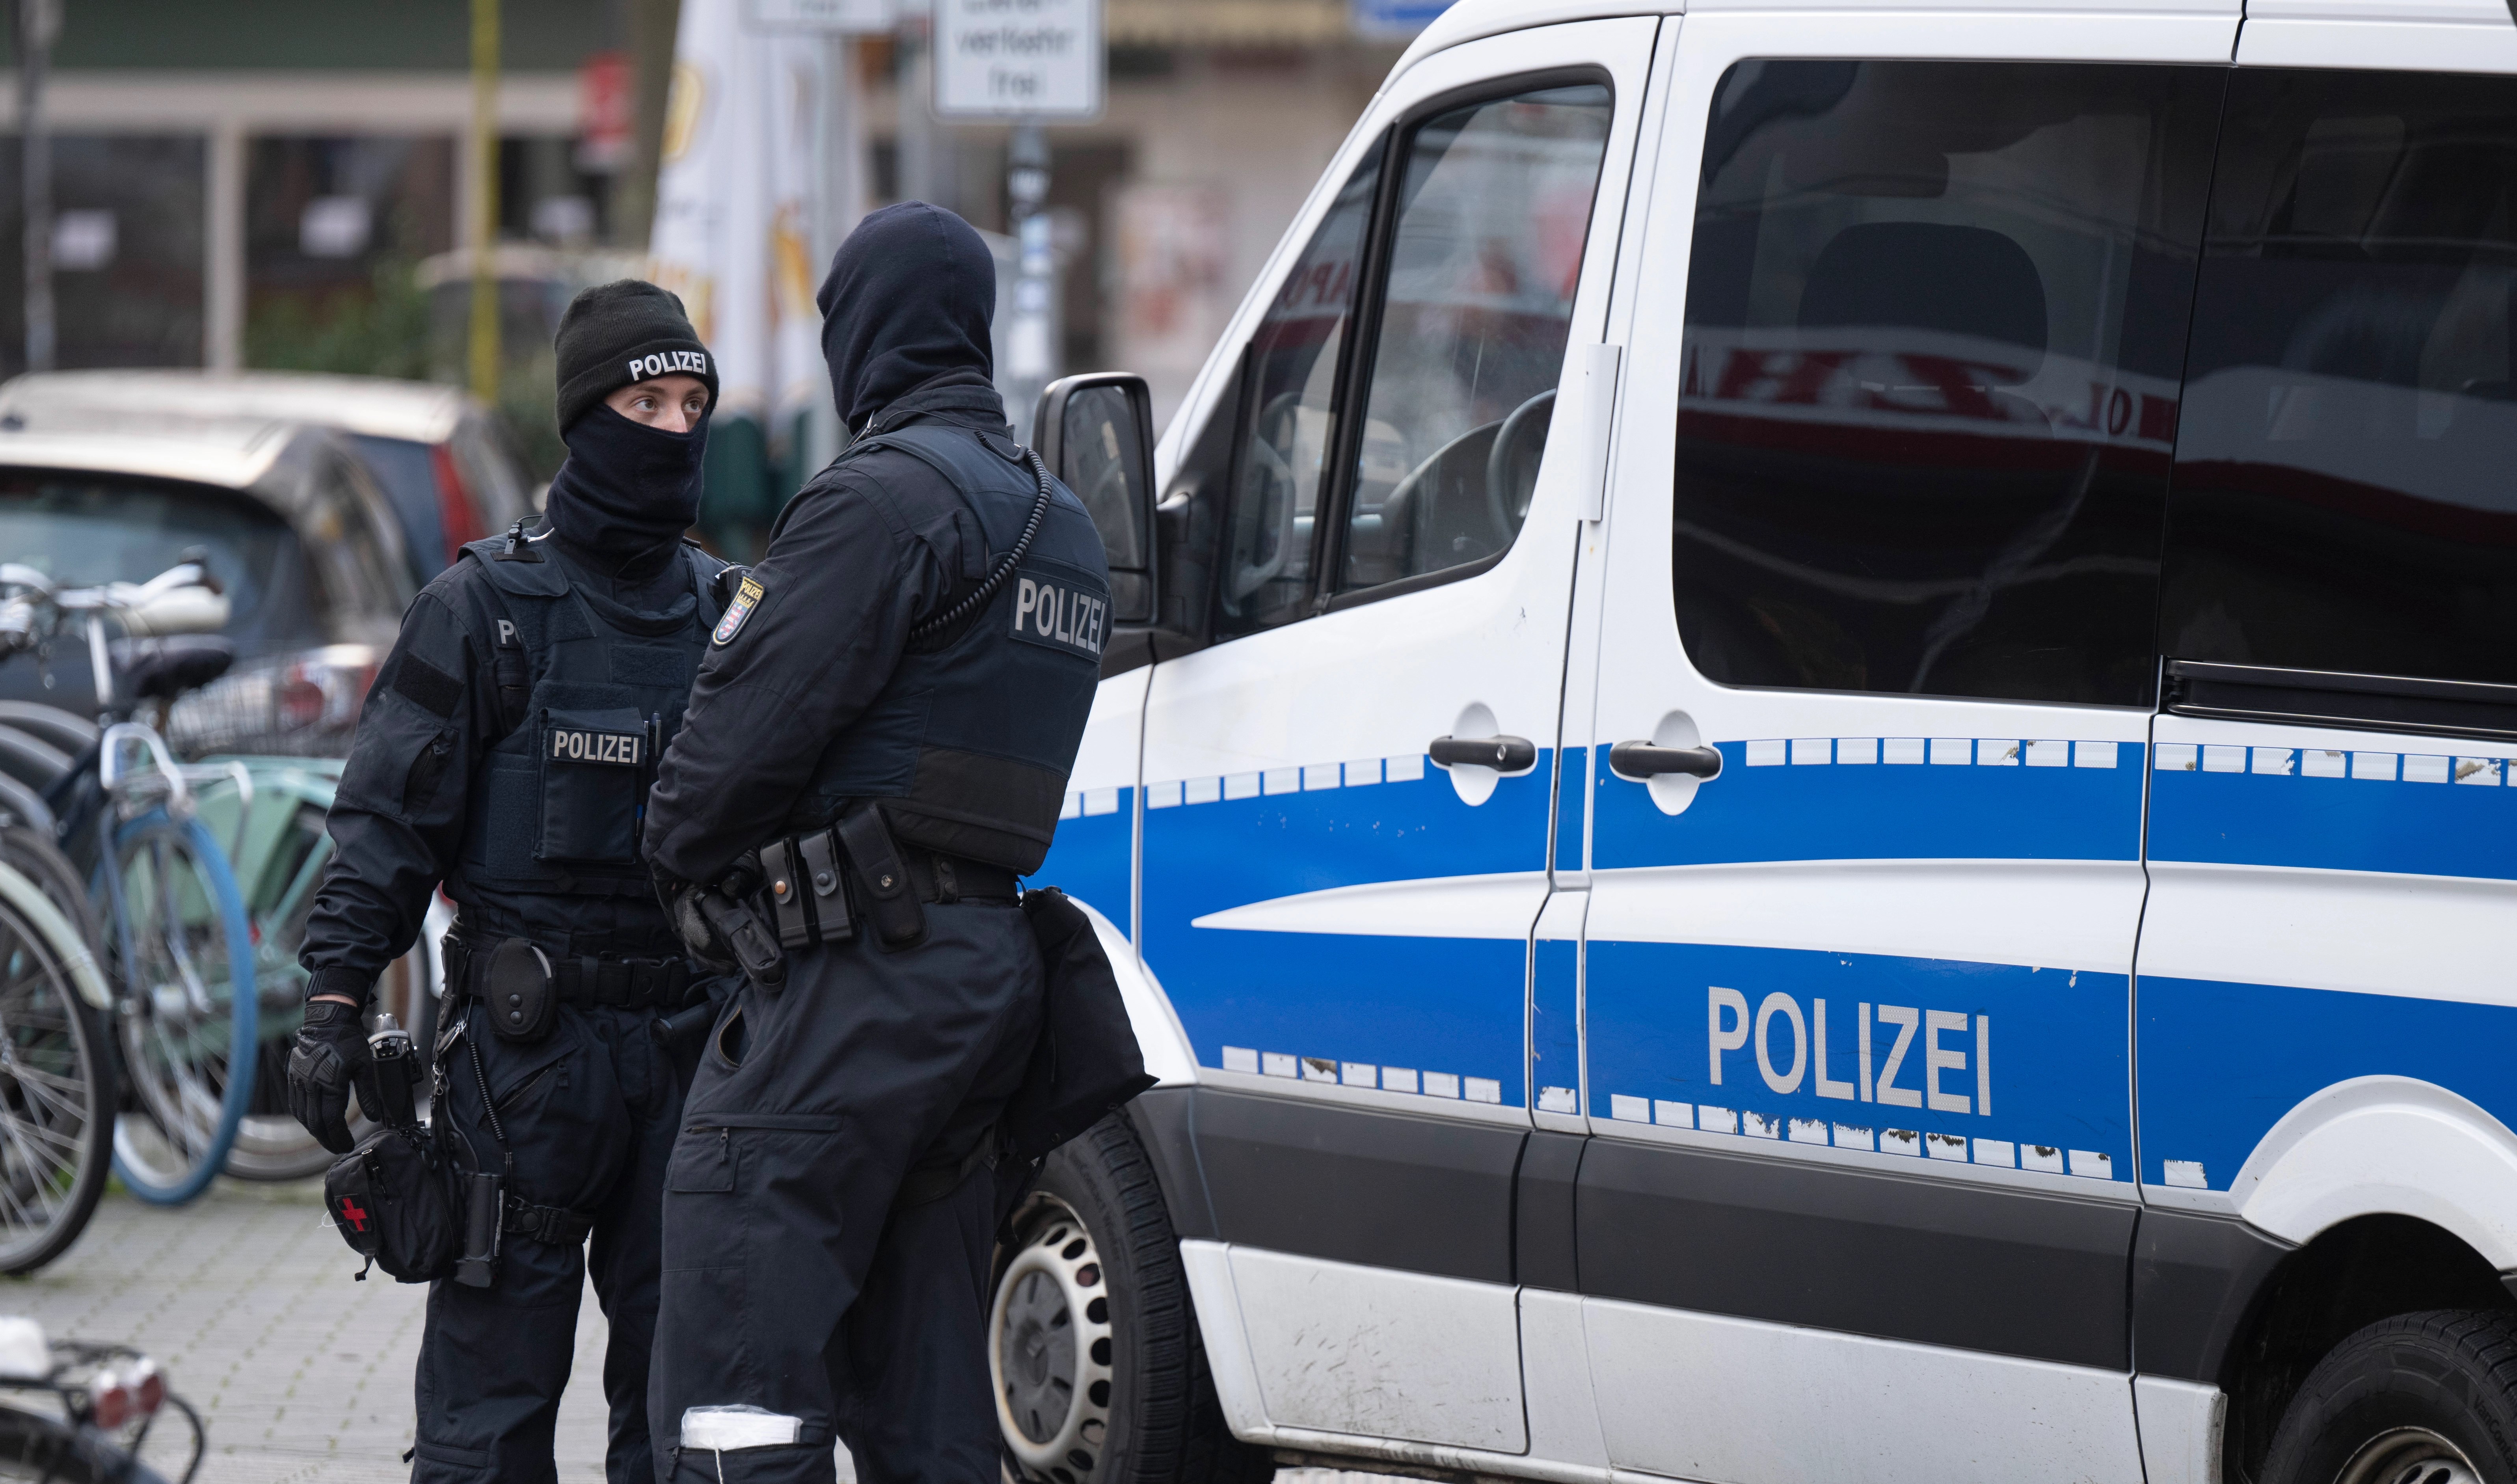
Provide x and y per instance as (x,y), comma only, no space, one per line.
(625,984)
(817,886)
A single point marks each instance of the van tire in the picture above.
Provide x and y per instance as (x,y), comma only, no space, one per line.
(2439,1387)
(1159,1421)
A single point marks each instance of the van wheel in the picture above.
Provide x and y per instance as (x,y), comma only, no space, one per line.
(1093,1344)
(2425,1398)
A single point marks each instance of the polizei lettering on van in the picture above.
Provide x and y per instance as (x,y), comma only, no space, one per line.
(569,745)
(668,364)
(1061,615)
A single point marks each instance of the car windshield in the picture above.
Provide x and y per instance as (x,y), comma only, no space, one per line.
(407,472)
(85,528)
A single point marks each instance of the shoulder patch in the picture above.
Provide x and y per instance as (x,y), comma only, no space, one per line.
(747,601)
(424,683)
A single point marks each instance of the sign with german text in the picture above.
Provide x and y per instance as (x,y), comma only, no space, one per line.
(1019,58)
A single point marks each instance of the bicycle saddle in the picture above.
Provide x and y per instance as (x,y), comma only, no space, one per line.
(161,669)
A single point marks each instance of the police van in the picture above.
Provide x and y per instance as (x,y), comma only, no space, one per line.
(1803,771)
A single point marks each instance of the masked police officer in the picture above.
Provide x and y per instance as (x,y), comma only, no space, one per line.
(506,751)
(885,716)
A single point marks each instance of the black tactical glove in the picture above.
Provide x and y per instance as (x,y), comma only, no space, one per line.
(681,902)
(330,1053)
(721,932)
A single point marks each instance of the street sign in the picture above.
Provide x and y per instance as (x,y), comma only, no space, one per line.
(1019,58)
(1396,20)
(820,15)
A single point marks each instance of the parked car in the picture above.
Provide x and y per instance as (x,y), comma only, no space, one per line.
(441,459)
(291,525)
(1822,779)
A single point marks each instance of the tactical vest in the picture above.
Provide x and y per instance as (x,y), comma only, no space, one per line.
(590,694)
(969,746)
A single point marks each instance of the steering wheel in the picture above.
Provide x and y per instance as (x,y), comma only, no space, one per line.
(1504,460)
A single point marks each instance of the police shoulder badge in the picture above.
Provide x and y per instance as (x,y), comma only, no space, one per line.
(745,599)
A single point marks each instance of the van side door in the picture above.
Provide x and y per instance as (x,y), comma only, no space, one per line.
(1890,473)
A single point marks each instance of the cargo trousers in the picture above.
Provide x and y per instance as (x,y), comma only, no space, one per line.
(589,1112)
(796,1279)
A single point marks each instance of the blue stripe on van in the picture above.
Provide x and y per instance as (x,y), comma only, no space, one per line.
(2382,820)
(1423,1005)
(1844,811)
(1090,859)
(2221,1063)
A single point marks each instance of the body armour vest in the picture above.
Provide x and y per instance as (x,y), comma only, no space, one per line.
(969,746)
(591,693)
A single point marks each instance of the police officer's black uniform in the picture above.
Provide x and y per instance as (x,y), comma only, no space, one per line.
(505,750)
(800,1279)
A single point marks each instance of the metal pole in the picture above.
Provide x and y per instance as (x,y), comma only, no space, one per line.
(485,200)
(918,175)
(38,21)
(1031,341)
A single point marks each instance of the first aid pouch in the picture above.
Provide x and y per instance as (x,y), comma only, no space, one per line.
(392,1199)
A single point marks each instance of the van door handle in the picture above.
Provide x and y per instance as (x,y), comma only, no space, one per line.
(1641,760)
(1503,754)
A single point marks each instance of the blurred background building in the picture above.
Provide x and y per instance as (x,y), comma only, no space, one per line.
(284,184)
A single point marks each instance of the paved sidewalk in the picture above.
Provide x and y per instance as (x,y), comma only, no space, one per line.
(246,1298)
(303,1376)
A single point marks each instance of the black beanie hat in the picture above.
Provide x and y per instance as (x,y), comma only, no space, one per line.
(616,333)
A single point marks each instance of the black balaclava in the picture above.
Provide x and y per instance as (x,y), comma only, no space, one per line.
(627,491)
(904,315)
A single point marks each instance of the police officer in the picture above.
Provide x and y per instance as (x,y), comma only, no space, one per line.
(887,714)
(506,750)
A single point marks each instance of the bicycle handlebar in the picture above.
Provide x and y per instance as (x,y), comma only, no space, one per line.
(180,600)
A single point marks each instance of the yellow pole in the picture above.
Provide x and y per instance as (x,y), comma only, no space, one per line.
(485,200)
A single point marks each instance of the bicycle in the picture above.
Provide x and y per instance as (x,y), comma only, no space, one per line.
(56,1077)
(175,935)
(110,1397)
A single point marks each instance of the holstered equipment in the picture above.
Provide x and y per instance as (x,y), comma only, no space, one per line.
(522,992)
(817,885)
(496,968)
(808,893)
(891,900)
(754,946)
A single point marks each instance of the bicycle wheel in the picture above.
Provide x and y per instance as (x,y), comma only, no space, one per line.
(55,1093)
(30,852)
(184,955)
(268,1144)
(33,1446)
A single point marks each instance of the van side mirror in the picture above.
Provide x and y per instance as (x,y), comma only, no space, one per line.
(1096,433)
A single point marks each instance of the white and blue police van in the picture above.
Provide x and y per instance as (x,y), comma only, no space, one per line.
(1807,772)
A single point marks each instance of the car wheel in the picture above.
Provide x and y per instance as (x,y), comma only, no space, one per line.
(1092,1342)
(2426,1398)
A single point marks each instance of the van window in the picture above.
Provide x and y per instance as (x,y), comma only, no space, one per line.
(1492,214)
(1935,320)
(1287,422)
(2346,475)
